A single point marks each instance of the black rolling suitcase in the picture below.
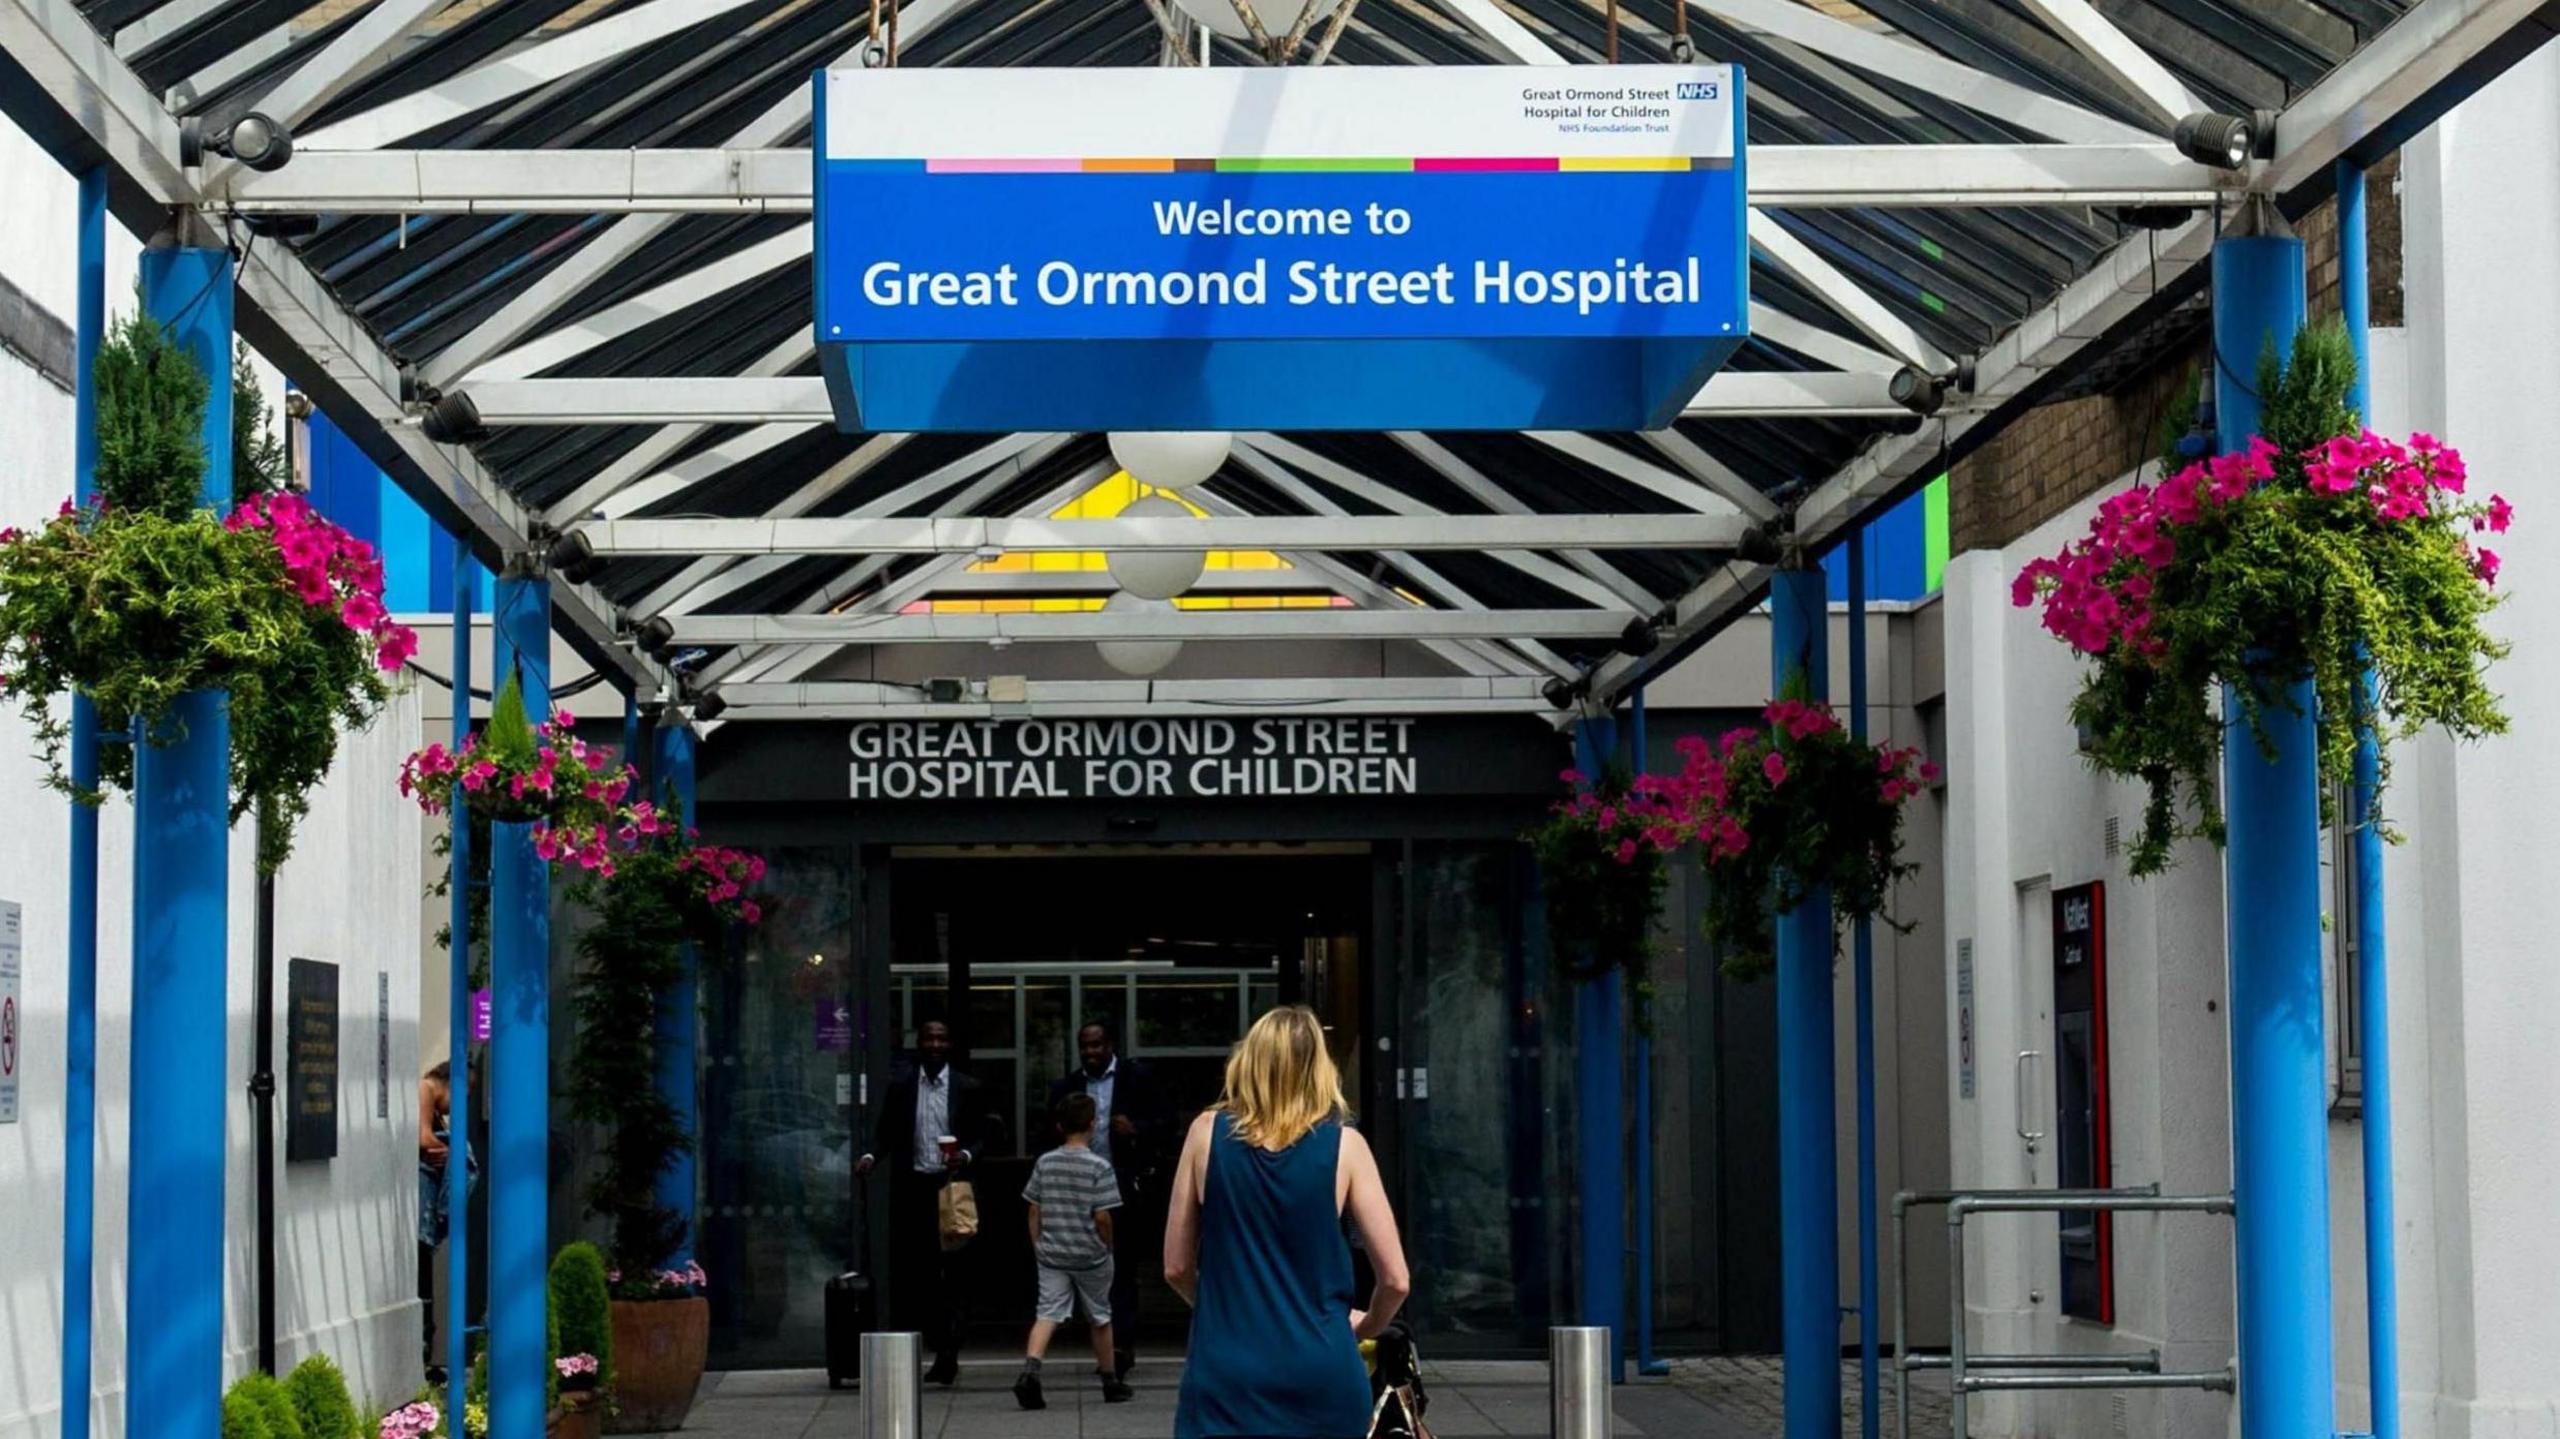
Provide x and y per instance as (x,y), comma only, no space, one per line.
(849,1317)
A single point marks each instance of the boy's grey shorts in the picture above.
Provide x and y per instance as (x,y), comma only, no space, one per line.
(1061,1289)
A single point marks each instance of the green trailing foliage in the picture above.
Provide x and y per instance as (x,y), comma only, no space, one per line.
(150,596)
(2339,551)
(1602,884)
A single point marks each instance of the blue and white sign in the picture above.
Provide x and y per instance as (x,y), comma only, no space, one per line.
(1458,247)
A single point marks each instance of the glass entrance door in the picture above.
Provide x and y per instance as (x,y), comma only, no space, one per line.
(1481,1051)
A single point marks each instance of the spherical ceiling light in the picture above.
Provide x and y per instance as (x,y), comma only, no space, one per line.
(1277,16)
(1170,459)
(1138,658)
(1156,574)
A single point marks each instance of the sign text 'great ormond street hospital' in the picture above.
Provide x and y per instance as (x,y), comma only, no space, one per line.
(1351,247)
(1133,759)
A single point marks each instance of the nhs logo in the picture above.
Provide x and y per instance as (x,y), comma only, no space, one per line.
(1699,90)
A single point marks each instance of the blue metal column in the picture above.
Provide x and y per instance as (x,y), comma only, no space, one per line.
(1600,1089)
(457,1173)
(80,1019)
(181,948)
(1646,1363)
(519,1055)
(1863,950)
(1808,1172)
(678,1007)
(2279,1082)
(2373,997)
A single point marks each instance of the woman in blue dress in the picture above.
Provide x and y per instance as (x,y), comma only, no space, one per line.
(1255,1242)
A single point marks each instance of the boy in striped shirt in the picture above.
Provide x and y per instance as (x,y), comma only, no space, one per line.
(1071,1196)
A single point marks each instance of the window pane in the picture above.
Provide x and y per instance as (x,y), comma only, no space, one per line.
(990,1014)
(1179,1011)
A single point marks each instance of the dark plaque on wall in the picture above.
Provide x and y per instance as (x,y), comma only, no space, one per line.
(311,1061)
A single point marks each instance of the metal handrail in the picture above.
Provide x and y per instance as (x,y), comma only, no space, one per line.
(2040,1371)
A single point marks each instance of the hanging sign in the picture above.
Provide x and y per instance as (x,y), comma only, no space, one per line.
(1350,247)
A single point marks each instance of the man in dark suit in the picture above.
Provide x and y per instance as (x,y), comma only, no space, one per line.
(926,1104)
(1132,1131)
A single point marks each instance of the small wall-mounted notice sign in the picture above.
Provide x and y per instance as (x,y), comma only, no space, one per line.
(311,1061)
(1351,247)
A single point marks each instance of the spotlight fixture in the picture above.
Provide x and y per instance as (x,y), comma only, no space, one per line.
(1916,390)
(709,706)
(454,420)
(655,634)
(573,558)
(284,227)
(1638,638)
(2153,217)
(2223,141)
(946,689)
(255,140)
(1561,692)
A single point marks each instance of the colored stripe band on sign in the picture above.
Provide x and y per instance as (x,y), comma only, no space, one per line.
(1299,165)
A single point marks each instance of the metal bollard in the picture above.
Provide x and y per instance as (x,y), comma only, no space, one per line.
(1578,1382)
(892,1386)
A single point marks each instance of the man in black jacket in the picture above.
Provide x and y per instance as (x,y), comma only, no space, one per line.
(926,1103)
(1132,1131)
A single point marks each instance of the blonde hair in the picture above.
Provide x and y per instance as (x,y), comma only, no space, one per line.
(1281,1082)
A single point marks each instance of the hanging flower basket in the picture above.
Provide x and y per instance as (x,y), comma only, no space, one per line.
(143,597)
(1602,885)
(2319,551)
(1779,812)
(513,772)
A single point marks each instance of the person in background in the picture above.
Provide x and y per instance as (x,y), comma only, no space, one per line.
(927,1128)
(1129,1132)
(435,1150)
(1072,1198)
(1261,1255)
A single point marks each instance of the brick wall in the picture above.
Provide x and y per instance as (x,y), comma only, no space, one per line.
(2056,455)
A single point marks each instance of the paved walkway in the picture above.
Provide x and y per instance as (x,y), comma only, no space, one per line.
(1703,1399)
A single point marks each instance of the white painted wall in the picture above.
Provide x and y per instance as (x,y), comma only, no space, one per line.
(345,1247)
(2473,991)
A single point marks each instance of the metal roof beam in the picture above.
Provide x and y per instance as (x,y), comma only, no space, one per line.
(777,181)
(800,401)
(1098,584)
(1706,498)
(1798,261)
(614,321)
(1323,694)
(790,662)
(1176,624)
(1504,36)
(1925,69)
(2409,75)
(633,479)
(350,57)
(526,311)
(1613,584)
(503,78)
(2120,58)
(1262,456)
(985,537)
(1002,462)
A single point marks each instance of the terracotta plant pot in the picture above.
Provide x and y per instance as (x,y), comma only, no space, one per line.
(578,1417)
(659,1348)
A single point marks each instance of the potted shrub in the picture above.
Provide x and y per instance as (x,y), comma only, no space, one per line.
(257,1407)
(585,1367)
(142,596)
(320,1400)
(2321,552)
(663,891)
